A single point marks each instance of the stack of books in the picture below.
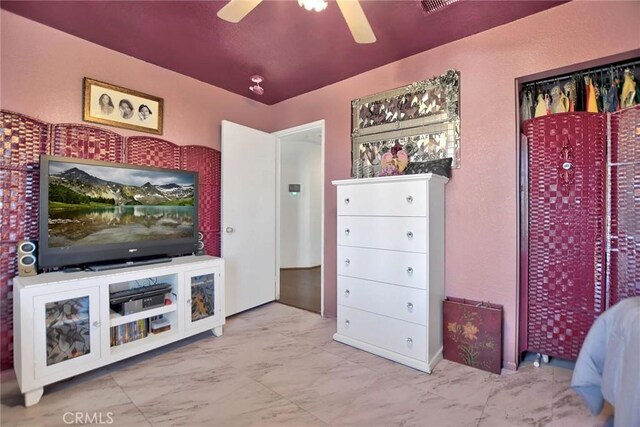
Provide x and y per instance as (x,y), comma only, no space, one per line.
(129,332)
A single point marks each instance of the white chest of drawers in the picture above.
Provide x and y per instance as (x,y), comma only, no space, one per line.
(391,267)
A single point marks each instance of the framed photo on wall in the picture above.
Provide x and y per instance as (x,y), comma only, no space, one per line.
(112,105)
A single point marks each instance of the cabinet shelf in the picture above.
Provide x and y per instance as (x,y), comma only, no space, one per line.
(151,340)
(117,319)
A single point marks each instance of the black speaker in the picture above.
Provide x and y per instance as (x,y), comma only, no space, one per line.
(201,250)
(27,258)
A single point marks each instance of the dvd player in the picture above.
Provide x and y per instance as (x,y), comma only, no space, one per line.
(134,300)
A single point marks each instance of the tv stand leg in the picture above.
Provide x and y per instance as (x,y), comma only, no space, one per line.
(32,397)
(217,331)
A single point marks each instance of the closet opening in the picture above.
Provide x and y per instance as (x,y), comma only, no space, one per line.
(578,235)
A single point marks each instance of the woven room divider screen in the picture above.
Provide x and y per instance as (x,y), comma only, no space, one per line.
(566,230)
(583,225)
(623,264)
(24,139)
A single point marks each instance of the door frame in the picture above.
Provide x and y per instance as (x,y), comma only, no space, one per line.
(319,124)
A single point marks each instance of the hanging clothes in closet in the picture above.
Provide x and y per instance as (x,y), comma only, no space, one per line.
(559,101)
(542,105)
(526,105)
(628,98)
(613,102)
(605,89)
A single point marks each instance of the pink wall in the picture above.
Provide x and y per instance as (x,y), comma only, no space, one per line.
(481,198)
(42,70)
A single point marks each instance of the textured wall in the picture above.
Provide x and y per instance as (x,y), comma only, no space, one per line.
(481,199)
(42,70)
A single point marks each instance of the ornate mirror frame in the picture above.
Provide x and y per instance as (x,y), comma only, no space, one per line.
(414,112)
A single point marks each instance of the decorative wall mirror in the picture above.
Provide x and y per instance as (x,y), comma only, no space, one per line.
(422,117)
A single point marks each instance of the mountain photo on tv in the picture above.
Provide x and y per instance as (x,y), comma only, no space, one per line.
(91,205)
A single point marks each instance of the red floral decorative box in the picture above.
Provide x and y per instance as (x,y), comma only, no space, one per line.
(473,333)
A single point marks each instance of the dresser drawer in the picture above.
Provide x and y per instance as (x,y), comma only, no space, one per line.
(382,232)
(399,302)
(394,335)
(383,199)
(400,268)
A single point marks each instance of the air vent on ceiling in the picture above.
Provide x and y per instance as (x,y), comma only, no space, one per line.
(430,6)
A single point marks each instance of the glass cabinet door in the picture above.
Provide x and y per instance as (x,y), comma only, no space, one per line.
(67,328)
(202,298)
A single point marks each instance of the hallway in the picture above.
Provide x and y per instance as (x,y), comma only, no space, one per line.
(300,287)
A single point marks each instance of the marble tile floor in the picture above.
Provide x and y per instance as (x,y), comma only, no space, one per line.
(278,365)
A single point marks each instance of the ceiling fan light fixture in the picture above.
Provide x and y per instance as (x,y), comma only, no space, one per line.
(317,5)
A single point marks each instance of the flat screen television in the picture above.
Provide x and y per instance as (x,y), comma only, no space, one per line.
(97,212)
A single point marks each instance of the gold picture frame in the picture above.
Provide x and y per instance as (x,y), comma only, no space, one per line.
(116,106)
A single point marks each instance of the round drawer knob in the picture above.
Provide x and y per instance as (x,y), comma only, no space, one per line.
(409,306)
(189,301)
(346,231)
(347,323)
(347,262)
(347,293)
(410,271)
(409,341)
(346,201)
(409,199)
(409,235)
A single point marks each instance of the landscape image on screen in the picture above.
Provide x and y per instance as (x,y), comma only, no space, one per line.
(93,205)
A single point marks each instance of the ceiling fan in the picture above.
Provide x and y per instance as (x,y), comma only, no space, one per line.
(236,10)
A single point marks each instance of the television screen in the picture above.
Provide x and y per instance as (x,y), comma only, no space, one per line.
(99,211)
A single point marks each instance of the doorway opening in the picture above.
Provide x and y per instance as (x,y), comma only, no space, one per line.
(300,216)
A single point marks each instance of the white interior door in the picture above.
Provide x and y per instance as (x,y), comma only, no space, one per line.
(248,216)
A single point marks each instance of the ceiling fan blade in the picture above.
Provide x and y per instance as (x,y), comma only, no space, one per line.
(357,21)
(235,10)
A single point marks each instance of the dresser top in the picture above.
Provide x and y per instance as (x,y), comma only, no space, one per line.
(396,178)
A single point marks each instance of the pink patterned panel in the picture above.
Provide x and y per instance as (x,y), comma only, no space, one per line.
(208,208)
(8,269)
(566,230)
(148,151)
(207,162)
(560,331)
(87,142)
(19,204)
(23,140)
(204,160)
(212,243)
(623,267)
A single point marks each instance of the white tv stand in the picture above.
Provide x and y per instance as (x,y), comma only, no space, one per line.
(63,321)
